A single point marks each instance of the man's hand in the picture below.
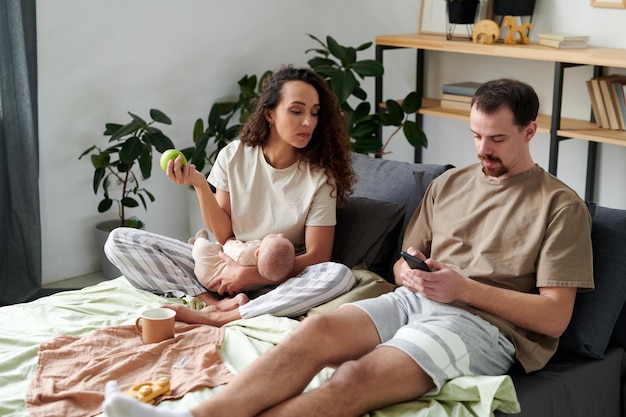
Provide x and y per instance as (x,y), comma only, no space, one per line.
(443,285)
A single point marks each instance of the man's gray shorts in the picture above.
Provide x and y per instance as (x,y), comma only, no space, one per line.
(444,340)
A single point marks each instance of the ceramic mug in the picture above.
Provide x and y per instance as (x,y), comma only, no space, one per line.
(156,324)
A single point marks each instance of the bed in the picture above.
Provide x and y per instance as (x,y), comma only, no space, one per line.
(116,304)
(585,379)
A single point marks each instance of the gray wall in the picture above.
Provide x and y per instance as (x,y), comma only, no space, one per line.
(99,59)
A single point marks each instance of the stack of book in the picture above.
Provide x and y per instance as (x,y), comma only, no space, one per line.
(563,40)
(608,101)
(458,96)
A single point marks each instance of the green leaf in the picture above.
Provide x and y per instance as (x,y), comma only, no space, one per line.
(143,201)
(104,205)
(131,149)
(411,103)
(364,46)
(98,175)
(100,160)
(129,202)
(138,119)
(414,134)
(145,163)
(159,141)
(150,196)
(343,85)
(87,151)
(394,114)
(111,128)
(368,68)
(198,129)
(338,51)
(214,115)
(125,130)
(159,116)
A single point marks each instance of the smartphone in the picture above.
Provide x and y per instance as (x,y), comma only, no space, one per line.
(415,263)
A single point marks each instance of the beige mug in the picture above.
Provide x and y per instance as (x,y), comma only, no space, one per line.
(156,324)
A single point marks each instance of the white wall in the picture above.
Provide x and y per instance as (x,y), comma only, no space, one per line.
(99,59)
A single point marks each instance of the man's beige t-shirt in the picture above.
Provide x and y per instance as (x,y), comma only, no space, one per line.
(520,233)
(267,200)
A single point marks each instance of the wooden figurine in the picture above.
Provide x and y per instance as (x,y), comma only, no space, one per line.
(486,32)
(514,28)
(148,391)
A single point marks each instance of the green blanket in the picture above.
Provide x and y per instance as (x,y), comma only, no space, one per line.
(115,302)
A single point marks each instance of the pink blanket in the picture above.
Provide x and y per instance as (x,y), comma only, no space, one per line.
(72,371)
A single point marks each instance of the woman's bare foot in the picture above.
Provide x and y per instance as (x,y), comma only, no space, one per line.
(224,304)
(231,303)
(210,315)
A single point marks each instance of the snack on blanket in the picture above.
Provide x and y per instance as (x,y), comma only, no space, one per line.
(148,391)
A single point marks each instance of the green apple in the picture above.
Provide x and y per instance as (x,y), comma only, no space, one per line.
(171,154)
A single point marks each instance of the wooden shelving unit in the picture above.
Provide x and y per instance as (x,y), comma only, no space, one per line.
(559,128)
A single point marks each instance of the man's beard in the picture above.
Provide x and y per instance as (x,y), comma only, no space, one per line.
(495,171)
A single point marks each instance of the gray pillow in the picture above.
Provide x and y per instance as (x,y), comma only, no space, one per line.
(367,232)
(597,312)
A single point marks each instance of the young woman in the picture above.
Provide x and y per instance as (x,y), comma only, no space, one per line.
(288,173)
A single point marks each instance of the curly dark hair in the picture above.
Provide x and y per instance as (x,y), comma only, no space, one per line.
(329,147)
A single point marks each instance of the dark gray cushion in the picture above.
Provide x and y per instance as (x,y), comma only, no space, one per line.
(596,312)
(367,231)
(394,181)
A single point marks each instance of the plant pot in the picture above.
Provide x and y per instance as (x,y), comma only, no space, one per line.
(513,7)
(101,233)
(462,12)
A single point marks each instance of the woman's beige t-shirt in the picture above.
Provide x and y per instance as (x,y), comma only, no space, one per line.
(520,233)
(267,200)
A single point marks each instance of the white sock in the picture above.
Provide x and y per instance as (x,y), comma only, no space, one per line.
(118,404)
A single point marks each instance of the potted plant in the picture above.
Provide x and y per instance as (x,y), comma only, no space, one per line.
(342,70)
(462,12)
(513,7)
(115,171)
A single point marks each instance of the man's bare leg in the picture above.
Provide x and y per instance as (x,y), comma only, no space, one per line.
(383,377)
(284,371)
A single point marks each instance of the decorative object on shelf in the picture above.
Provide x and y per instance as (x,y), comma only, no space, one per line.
(616,4)
(522,30)
(521,8)
(486,32)
(563,40)
(461,12)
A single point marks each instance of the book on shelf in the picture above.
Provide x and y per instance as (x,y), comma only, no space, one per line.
(594,104)
(456,105)
(457,97)
(607,101)
(595,94)
(607,97)
(562,44)
(464,88)
(616,84)
(613,84)
(563,37)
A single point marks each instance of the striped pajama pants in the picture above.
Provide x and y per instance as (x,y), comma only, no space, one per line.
(163,265)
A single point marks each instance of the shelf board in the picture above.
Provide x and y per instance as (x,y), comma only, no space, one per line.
(570,128)
(593,55)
